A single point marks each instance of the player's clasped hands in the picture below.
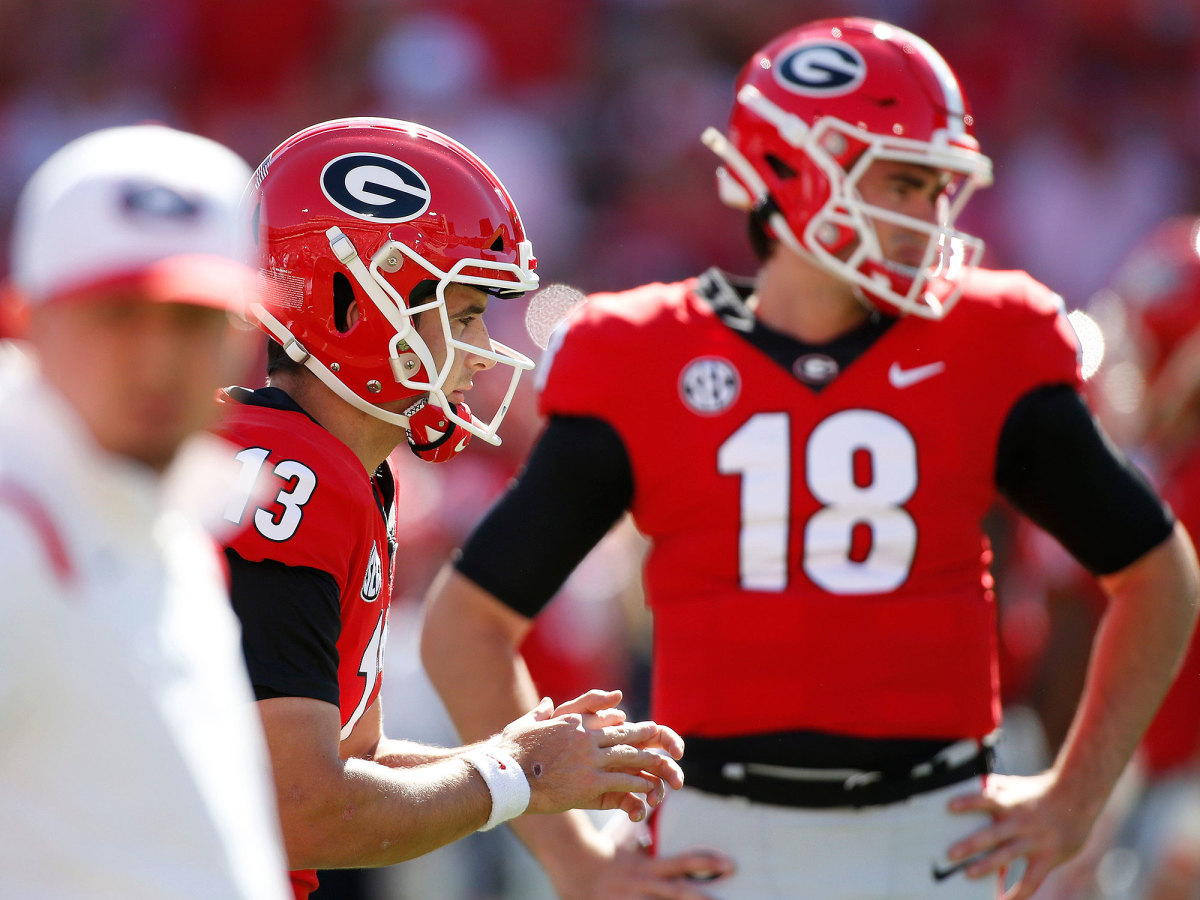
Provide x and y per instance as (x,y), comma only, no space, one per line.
(585,754)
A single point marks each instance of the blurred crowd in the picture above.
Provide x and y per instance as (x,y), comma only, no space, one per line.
(590,112)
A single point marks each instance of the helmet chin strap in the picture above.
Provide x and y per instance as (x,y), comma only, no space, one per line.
(391,305)
(296,352)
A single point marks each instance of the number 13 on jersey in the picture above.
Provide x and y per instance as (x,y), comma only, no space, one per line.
(861,466)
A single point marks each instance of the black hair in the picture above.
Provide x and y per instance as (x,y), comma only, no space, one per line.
(277,360)
(761,241)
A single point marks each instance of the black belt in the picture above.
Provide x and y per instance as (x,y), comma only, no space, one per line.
(710,766)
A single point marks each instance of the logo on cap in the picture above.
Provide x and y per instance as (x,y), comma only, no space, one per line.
(156,201)
(375,187)
(821,69)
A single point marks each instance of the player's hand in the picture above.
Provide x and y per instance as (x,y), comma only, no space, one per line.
(620,867)
(599,709)
(1032,817)
(571,766)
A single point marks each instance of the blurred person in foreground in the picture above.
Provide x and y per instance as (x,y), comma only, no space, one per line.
(811,454)
(382,244)
(132,763)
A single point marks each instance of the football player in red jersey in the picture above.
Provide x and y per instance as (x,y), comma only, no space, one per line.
(381,243)
(810,455)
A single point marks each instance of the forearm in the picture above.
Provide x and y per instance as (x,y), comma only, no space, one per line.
(487,687)
(373,815)
(485,693)
(1138,648)
(402,754)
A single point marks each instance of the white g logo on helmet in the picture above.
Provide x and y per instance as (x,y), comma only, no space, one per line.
(821,69)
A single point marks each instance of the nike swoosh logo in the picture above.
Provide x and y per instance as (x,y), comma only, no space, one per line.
(940,874)
(943,874)
(902,378)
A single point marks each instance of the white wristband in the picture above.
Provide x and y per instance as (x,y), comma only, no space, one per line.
(506,783)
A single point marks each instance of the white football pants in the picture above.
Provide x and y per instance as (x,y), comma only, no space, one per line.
(888,852)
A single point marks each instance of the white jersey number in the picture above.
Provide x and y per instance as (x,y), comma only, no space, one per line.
(760,452)
(369,668)
(303,481)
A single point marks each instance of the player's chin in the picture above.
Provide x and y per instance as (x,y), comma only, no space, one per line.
(155,431)
(156,449)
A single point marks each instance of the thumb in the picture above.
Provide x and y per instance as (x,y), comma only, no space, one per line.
(544,710)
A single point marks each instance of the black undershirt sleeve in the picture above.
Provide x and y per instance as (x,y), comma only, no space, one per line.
(575,486)
(1056,465)
(291,621)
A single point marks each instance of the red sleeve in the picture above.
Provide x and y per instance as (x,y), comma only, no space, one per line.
(601,356)
(1032,341)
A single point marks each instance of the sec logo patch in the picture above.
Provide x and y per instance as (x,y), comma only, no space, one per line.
(709,385)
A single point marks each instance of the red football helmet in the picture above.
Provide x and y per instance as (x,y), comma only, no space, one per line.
(814,109)
(1149,388)
(385,213)
(1159,282)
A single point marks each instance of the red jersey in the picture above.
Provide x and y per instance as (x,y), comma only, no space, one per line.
(307,501)
(817,559)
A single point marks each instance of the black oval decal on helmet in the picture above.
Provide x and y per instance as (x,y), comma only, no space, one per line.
(821,69)
(375,187)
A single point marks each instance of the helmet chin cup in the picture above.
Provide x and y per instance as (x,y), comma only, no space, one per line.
(432,435)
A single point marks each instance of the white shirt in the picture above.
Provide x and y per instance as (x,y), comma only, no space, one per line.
(132,762)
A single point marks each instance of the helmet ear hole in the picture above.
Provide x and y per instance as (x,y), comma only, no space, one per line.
(343,296)
(779,167)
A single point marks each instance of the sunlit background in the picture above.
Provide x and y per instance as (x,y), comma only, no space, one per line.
(590,112)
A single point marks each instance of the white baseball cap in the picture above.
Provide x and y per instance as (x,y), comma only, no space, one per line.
(143,209)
